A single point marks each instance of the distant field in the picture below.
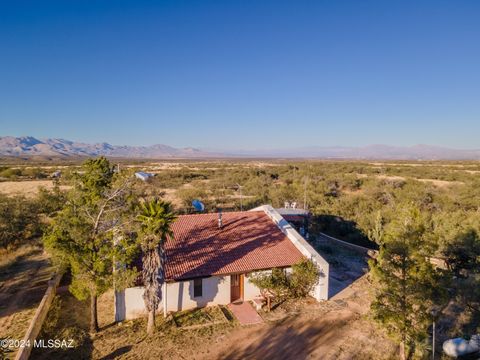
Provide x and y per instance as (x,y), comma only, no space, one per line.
(28,188)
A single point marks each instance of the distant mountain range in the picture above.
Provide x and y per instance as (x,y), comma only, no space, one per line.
(29,146)
(381,152)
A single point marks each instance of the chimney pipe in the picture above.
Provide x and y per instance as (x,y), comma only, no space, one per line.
(220,222)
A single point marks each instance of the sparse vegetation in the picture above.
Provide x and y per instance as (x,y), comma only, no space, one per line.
(297,284)
(359,202)
(89,233)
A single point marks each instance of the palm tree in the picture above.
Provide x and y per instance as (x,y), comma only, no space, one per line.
(156,218)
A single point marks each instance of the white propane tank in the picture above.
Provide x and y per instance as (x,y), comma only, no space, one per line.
(459,346)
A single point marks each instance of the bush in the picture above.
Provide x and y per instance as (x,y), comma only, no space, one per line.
(275,282)
(50,201)
(11,173)
(298,284)
(304,277)
(19,221)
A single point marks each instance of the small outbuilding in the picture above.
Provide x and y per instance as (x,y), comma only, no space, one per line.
(143,175)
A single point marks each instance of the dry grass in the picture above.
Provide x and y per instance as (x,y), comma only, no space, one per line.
(441,183)
(24,276)
(28,188)
(334,329)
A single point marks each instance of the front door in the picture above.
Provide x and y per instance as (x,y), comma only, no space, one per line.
(236,288)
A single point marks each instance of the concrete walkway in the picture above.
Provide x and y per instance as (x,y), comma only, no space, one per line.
(245,313)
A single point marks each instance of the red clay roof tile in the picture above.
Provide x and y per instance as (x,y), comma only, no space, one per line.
(248,241)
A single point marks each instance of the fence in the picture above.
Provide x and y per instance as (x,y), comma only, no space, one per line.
(361,249)
(38,319)
(435,261)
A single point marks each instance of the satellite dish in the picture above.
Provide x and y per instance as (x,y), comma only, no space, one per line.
(198,205)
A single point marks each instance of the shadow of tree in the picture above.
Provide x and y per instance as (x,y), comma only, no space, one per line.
(116,353)
(23,284)
(287,339)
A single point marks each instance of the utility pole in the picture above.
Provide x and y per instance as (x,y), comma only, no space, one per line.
(305,194)
(241,199)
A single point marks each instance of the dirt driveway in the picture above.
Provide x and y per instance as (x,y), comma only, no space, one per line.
(337,329)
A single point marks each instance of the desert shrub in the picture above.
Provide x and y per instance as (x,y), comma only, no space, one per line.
(275,281)
(35,173)
(297,284)
(50,201)
(11,173)
(187,195)
(304,277)
(19,221)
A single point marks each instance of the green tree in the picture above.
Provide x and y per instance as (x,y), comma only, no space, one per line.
(282,285)
(91,232)
(19,222)
(156,218)
(407,286)
(304,277)
(463,253)
(51,201)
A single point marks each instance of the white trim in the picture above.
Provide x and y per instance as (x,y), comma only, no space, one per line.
(320,291)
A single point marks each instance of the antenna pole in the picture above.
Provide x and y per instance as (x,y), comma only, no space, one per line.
(305,194)
(241,198)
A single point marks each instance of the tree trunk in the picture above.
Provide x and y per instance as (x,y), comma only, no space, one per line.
(151,322)
(93,314)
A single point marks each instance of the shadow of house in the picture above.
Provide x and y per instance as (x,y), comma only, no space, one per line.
(346,265)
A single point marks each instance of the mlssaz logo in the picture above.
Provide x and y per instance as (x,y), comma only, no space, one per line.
(53,344)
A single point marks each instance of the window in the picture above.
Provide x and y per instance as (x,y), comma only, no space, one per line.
(197,288)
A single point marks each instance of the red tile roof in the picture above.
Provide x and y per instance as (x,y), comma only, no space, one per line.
(247,241)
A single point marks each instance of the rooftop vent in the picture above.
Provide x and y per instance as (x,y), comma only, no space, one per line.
(220,222)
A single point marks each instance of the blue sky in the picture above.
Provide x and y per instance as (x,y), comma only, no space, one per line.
(242,74)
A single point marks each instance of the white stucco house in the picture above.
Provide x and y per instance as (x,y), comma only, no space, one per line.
(210,257)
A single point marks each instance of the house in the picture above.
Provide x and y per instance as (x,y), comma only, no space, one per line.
(211,256)
(143,175)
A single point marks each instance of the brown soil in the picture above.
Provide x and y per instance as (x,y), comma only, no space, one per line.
(22,285)
(335,329)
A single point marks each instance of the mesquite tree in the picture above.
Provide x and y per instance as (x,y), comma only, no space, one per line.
(156,218)
(81,236)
